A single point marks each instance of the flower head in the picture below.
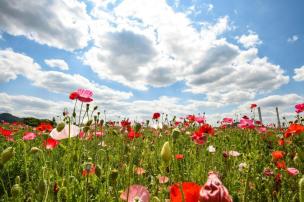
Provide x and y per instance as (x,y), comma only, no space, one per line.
(156,115)
(82,95)
(190,192)
(50,143)
(68,131)
(276,155)
(299,108)
(29,136)
(292,171)
(136,193)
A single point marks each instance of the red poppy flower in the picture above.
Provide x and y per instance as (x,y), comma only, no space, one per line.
(190,191)
(252,106)
(5,133)
(73,95)
(191,118)
(281,165)
(156,115)
(179,156)
(125,123)
(281,142)
(44,127)
(276,155)
(89,170)
(50,143)
(294,129)
(132,134)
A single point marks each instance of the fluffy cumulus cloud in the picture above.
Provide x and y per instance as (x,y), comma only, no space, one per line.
(142,47)
(58,23)
(16,64)
(57,63)
(299,74)
(250,40)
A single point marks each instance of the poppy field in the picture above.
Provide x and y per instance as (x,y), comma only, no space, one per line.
(86,157)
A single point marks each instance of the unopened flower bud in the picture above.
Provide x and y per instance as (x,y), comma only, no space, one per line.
(16,190)
(35,150)
(7,154)
(166,152)
(60,127)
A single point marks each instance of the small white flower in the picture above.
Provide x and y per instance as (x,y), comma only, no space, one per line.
(234,153)
(242,166)
(211,149)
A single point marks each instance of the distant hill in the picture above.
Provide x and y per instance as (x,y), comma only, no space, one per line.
(7,117)
(31,121)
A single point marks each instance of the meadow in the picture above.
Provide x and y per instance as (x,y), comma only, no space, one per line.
(88,158)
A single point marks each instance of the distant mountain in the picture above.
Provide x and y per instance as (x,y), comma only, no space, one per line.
(7,117)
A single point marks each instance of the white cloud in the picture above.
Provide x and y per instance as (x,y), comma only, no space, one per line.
(210,8)
(250,40)
(58,23)
(59,63)
(15,64)
(293,39)
(299,74)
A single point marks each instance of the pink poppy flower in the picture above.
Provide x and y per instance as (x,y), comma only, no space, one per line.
(64,134)
(82,95)
(140,171)
(163,179)
(50,143)
(136,193)
(292,171)
(227,120)
(246,123)
(29,136)
(299,108)
(213,190)
(262,129)
(200,119)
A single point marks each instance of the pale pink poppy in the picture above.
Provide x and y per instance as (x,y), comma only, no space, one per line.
(292,171)
(200,119)
(99,133)
(139,171)
(262,129)
(29,136)
(234,153)
(136,193)
(163,179)
(64,134)
(213,190)
(83,95)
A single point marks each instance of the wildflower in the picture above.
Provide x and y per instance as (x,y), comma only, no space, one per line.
(262,129)
(228,121)
(140,171)
(44,127)
(89,169)
(68,131)
(276,155)
(214,190)
(187,190)
(246,123)
(242,166)
(50,143)
(84,95)
(156,115)
(267,172)
(281,165)
(200,120)
(252,106)
(132,134)
(179,156)
(292,171)
(191,118)
(234,153)
(73,95)
(211,149)
(299,108)
(163,179)
(294,129)
(200,135)
(136,193)
(29,136)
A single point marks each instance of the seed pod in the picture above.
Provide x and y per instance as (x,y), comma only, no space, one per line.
(60,126)
(42,186)
(166,152)
(6,155)
(16,190)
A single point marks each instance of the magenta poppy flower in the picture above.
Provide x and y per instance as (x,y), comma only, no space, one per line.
(213,190)
(227,120)
(82,95)
(29,136)
(246,123)
(136,193)
(299,108)
(200,119)
(292,171)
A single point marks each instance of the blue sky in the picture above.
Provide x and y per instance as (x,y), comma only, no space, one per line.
(141,56)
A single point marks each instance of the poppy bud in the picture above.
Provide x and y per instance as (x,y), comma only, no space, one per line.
(16,190)
(35,150)
(175,133)
(17,180)
(301,189)
(95,108)
(87,107)
(166,152)
(74,114)
(86,129)
(7,154)
(98,171)
(60,127)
